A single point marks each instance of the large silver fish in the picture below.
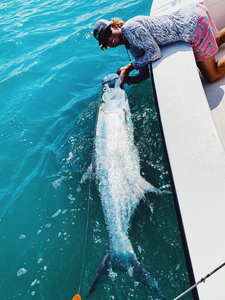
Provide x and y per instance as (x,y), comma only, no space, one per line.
(117,170)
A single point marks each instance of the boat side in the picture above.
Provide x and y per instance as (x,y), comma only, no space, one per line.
(196,156)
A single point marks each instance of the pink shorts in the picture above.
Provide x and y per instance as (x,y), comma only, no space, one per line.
(203,41)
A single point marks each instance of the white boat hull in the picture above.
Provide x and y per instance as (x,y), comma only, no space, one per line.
(194,135)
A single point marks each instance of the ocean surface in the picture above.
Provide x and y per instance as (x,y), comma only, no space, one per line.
(50,89)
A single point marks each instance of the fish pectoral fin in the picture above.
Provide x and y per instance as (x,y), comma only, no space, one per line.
(88,175)
(102,271)
(148,187)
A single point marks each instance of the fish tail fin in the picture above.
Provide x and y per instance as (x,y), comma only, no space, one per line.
(102,271)
(148,187)
(141,274)
(126,262)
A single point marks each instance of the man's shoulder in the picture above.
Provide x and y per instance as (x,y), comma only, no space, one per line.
(134,22)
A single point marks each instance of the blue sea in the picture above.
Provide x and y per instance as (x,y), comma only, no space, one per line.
(50,89)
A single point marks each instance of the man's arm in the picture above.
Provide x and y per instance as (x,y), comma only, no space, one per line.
(143,74)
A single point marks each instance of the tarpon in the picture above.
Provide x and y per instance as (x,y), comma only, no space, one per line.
(117,170)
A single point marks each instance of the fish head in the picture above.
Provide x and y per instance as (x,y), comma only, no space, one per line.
(114,97)
(109,80)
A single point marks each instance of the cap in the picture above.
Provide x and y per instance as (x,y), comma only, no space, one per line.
(99,30)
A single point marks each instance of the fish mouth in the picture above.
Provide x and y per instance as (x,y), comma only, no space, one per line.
(110,80)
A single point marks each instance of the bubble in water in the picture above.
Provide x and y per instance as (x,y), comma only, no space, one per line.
(112,274)
(58,182)
(22,236)
(40,260)
(131,271)
(70,197)
(139,249)
(21,271)
(56,214)
(70,156)
(34,282)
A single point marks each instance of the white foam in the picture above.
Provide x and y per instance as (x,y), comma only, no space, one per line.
(40,260)
(57,213)
(34,282)
(22,236)
(21,271)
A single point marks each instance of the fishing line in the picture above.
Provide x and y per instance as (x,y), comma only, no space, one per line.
(77,296)
(200,281)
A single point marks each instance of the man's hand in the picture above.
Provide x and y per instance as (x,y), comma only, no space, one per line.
(124,73)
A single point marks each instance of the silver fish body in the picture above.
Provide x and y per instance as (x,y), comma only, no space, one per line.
(117,167)
(117,170)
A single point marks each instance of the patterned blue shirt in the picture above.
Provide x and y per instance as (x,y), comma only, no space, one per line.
(146,33)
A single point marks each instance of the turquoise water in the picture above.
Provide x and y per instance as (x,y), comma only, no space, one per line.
(50,86)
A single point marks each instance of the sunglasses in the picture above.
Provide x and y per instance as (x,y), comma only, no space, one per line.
(107,35)
(108,32)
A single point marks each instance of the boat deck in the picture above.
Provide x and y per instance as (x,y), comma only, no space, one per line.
(215,94)
(194,134)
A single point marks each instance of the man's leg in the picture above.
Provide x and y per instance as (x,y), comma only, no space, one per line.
(221,38)
(211,69)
